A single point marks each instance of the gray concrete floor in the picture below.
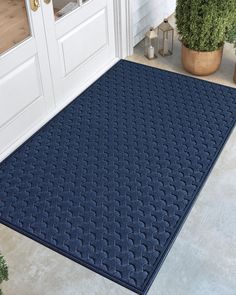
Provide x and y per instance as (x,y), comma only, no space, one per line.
(202,260)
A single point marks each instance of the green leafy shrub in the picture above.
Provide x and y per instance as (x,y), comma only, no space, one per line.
(3,271)
(231,36)
(204,24)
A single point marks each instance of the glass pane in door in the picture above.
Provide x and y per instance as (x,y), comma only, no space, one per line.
(14,25)
(63,7)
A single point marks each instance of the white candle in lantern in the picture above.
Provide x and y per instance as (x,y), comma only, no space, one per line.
(151,53)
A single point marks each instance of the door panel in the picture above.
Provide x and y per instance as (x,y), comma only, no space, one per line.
(16,57)
(73,53)
(22,123)
(80,43)
(26,93)
(9,100)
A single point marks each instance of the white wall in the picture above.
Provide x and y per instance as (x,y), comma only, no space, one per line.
(148,13)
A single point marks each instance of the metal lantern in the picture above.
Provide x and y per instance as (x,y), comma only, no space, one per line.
(166,38)
(151,44)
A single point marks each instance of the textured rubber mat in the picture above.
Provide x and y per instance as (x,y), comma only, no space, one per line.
(109,181)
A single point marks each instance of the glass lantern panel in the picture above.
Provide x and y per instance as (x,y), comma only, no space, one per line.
(155,45)
(146,45)
(166,43)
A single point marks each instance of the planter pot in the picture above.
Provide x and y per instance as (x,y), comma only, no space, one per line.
(201,63)
(235,74)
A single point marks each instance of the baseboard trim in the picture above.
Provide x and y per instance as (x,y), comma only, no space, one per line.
(39,124)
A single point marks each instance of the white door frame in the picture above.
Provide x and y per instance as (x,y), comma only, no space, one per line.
(123,27)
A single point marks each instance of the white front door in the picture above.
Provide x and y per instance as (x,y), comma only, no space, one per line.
(25,83)
(80,36)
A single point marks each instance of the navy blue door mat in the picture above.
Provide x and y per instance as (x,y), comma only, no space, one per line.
(110,180)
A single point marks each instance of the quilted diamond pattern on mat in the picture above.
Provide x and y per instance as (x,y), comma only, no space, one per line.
(109,181)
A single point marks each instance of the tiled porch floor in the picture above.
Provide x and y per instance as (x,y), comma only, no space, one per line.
(202,260)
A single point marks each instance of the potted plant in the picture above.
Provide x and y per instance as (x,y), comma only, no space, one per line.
(232,39)
(3,271)
(203,27)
